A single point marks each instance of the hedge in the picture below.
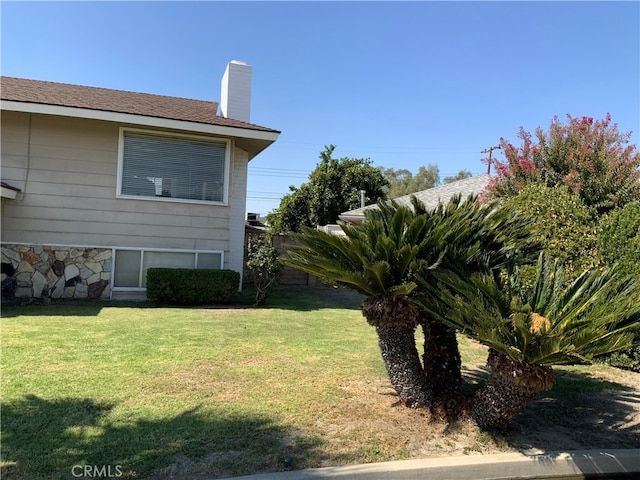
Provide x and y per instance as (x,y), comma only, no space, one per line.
(186,286)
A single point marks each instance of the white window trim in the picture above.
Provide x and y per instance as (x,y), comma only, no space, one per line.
(142,252)
(227,167)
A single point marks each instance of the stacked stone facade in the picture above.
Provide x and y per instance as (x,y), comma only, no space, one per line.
(41,271)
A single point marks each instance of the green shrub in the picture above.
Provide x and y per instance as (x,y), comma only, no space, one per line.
(566,226)
(184,286)
(619,238)
(264,269)
(628,359)
(619,242)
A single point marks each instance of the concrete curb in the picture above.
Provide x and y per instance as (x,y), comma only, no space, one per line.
(577,464)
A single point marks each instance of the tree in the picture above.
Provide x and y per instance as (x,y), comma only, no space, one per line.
(403,182)
(461,175)
(530,330)
(590,157)
(382,258)
(333,188)
(293,212)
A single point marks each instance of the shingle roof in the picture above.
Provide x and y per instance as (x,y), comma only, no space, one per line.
(432,196)
(118,101)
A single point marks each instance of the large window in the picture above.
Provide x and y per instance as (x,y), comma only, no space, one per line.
(179,167)
(130,269)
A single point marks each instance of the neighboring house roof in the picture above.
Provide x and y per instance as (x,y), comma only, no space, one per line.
(144,109)
(430,197)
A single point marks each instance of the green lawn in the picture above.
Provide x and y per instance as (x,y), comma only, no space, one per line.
(133,386)
(217,392)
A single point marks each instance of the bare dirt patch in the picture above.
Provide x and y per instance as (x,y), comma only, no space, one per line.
(371,426)
(594,407)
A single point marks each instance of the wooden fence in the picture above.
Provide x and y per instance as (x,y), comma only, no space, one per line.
(290,276)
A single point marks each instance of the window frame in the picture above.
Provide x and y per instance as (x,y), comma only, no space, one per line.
(166,134)
(142,251)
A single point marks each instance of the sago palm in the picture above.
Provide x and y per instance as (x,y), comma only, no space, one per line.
(530,330)
(382,258)
(378,259)
(474,238)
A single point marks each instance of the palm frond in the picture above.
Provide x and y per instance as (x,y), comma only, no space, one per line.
(376,258)
(596,314)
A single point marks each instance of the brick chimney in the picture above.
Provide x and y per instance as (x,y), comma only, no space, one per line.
(235,98)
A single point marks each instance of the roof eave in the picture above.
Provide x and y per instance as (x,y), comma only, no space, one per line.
(253,141)
(350,218)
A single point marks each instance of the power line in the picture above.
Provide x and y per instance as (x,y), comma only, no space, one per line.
(291,173)
(257,195)
(288,145)
(278,169)
(278,172)
(280,175)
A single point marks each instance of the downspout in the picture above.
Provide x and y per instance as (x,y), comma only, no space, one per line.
(22,192)
(28,169)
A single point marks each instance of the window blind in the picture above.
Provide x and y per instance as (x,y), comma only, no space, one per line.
(173,167)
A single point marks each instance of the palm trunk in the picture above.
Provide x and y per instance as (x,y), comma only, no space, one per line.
(442,367)
(510,388)
(402,361)
(395,321)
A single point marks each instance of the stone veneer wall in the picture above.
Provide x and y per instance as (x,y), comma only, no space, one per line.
(41,271)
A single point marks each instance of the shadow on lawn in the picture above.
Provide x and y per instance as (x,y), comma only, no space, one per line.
(45,439)
(55,308)
(70,307)
(310,298)
(286,297)
(580,412)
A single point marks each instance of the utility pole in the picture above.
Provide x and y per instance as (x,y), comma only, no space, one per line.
(490,151)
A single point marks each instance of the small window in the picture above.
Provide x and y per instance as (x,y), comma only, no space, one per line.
(172,167)
(126,272)
(209,260)
(130,269)
(166,260)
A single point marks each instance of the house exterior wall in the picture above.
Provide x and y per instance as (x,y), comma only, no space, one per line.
(237,206)
(67,171)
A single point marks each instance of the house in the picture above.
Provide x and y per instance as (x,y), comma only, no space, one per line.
(430,197)
(99,185)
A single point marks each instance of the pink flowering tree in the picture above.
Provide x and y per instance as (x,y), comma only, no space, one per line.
(590,157)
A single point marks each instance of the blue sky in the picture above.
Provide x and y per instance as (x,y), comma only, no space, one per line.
(402,83)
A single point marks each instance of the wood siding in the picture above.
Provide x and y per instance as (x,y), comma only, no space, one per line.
(67,171)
